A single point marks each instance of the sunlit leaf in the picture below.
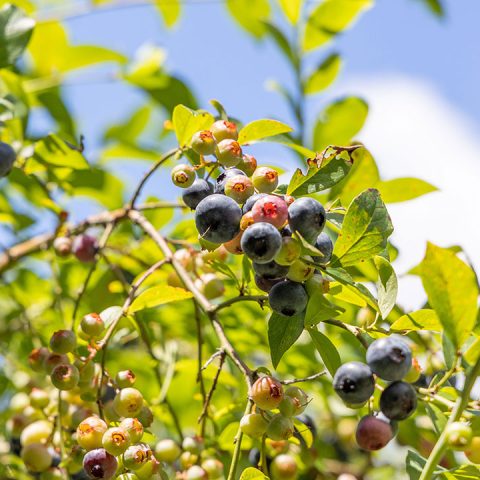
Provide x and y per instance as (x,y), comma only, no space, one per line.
(170,11)
(403,189)
(324,75)
(250,14)
(260,129)
(159,295)
(282,334)
(326,349)
(186,122)
(387,285)
(424,319)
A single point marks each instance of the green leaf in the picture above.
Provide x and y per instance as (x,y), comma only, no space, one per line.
(329,171)
(452,291)
(291,9)
(435,6)
(251,473)
(340,122)
(15,32)
(326,349)
(186,122)
(282,334)
(403,189)
(365,230)
(329,18)
(219,108)
(437,417)
(415,464)
(54,152)
(159,295)
(281,40)
(250,15)
(387,285)
(324,75)
(464,472)
(304,431)
(259,129)
(170,11)
(424,319)
(320,309)
(472,354)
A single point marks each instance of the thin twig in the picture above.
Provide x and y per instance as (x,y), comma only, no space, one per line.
(198,323)
(305,379)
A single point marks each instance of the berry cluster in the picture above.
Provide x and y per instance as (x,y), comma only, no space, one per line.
(243,213)
(84,247)
(389,359)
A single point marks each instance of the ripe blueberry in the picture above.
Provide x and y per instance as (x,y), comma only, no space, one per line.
(266,284)
(288,298)
(217,218)
(261,242)
(307,217)
(324,244)
(270,270)
(7,159)
(222,178)
(85,248)
(251,201)
(398,401)
(354,383)
(390,358)
(271,209)
(196,192)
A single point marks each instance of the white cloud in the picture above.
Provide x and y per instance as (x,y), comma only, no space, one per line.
(412,130)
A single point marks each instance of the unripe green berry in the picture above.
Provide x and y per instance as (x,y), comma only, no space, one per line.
(65,376)
(196,472)
(253,425)
(39,398)
(37,432)
(36,457)
(213,468)
(19,402)
(210,285)
(53,473)
(267,393)
(116,440)
(127,476)
(299,397)
(300,272)
(228,153)
(167,450)
(136,456)
(193,444)
(473,450)
(128,402)
(203,142)
(145,416)
(151,470)
(53,360)
(125,378)
(247,164)
(459,435)
(63,341)
(90,433)
(134,429)
(223,129)
(414,373)
(284,467)
(265,179)
(187,459)
(183,175)
(239,187)
(92,325)
(317,284)
(289,252)
(287,407)
(280,428)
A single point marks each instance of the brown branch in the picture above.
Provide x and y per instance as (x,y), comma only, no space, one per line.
(305,379)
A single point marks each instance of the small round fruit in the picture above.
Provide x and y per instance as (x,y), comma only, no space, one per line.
(62,246)
(265,179)
(354,383)
(287,407)
(128,402)
(133,427)
(280,428)
(459,435)
(183,175)
(37,357)
(289,252)
(203,142)
(65,376)
(261,242)
(127,476)
(99,464)
(195,472)
(307,217)
(324,245)
(116,440)
(217,218)
(473,450)
(167,450)
(247,207)
(85,248)
(288,298)
(266,284)
(63,341)
(246,221)
(39,398)
(7,159)
(210,285)
(414,373)
(125,378)
(253,425)
(223,177)
(187,459)
(247,164)
(193,444)
(37,457)
(196,192)
(37,432)
(239,187)
(90,433)
(373,433)
(270,270)
(270,209)
(398,401)
(234,246)
(151,470)
(54,359)
(136,456)
(390,358)
(223,129)
(300,271)
(267,393)
(213,468)
(284,467)
(145,416)
(92,325)
(299,397)
(228,152)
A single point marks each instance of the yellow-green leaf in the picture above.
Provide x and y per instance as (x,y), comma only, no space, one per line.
(250,14)
(452,291)
(291,9)
(186,122)
(387,285)
(159,295)
(260,129)
(251,473)
(170,11)
(424,319)
(403,189)
(324,75)
(52,151)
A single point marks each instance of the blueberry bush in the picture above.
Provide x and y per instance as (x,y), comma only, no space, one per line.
(247,328)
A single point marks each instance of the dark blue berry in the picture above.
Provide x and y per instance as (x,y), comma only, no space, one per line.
(266,284)
(7,158)
(270,270)
(390,358)
(398,401)
(261,242)
(194,194)
(248,205)
(288,298)
(224,176)
(324,244)
(354,383)
(307,217)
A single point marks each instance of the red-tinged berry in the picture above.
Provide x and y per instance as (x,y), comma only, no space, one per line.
(167,450)
(128,402)
(99,464)
(53,360)
(229,153)
(125,378)
(90,433)
(248,164)
(280,427)
(136,456)
(116,440)
(63,341)
(203,142)
(223,129)
(65,376)
(134,428)
(284,467)
(85,248)
(265,179)
(267,393)
(234,246)
(63,246)
(271,209)
(266,284)
(37,358)
(253,425)
(239,188)
(373,433)
(92,325)
(183,175)
(37,457)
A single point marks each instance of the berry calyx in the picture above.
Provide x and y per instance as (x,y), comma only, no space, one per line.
(65,376)
(229,153)
(183,175)
(265,179)
(239,188)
